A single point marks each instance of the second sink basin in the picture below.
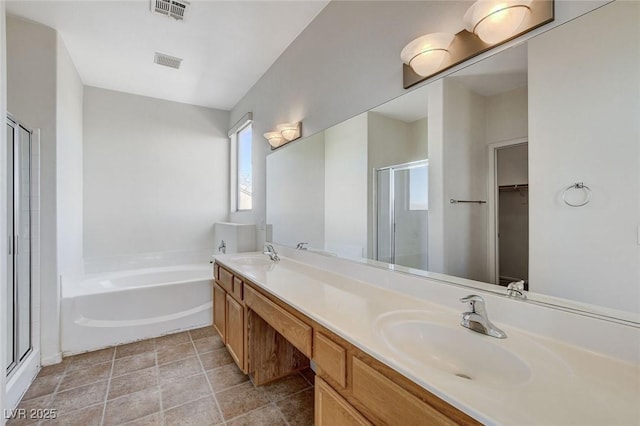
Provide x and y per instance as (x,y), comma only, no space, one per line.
(422,339)
(251,260)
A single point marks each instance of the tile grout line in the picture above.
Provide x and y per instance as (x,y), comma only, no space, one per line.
(206,377)
(292,394)
(157,369)
(286,422)
(53,394)
(106,396)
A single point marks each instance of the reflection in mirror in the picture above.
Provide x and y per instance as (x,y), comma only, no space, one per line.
(510,133)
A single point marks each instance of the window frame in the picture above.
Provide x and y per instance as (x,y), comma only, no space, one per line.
(234,184)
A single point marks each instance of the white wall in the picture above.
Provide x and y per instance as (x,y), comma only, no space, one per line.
(156,175)
(507,116)
(436,244)
(69,163)
(3,205)
(295,188)
(584,104)
(31,97)
(465,177)
(345,193)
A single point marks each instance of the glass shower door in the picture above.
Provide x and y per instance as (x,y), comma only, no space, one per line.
(19,244)
(402,214)
(10,351)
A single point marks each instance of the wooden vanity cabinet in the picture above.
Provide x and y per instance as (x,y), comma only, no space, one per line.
(219,310)
(235,331)
(229,314)
(332,409)
(269,339)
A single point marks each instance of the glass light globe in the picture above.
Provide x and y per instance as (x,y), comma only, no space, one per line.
(275,139)
(496,20)
(427,53)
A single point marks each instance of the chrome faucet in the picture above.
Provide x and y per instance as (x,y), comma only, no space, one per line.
(477,319)
(270,251)
(301,246)
(222,247)
(516,290)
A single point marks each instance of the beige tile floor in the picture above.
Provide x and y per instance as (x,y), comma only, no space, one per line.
(185,379)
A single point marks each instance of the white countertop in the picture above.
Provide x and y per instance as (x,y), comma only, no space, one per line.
(566,385)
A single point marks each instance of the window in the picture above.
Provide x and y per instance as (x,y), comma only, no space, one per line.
(244,177)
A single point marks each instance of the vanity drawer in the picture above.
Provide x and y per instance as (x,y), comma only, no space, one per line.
(290,327)
(331,358)
(225,279)
(236,288)
(389,402)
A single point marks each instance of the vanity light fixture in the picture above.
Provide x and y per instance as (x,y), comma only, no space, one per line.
(496,20)
(285,133)
(485,25)
(426,54)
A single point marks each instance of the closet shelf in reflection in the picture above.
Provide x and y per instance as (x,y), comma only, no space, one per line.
(513,187)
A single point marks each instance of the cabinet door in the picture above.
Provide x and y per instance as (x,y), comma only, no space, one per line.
(235,331)
(331,409)
(219,310)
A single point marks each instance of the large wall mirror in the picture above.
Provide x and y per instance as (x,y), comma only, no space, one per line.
(522,166)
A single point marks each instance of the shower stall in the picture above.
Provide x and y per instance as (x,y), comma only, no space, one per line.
(18,300)
(402,202)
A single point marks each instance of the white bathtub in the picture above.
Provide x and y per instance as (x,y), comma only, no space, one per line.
(101,310)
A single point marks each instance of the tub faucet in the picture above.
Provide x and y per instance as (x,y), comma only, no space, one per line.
(222,247)
(270,251)
(477,319)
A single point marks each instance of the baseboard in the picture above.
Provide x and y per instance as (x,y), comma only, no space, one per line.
(51,359)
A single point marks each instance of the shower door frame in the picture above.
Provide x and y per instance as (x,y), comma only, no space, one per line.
(398,167)
(18,359)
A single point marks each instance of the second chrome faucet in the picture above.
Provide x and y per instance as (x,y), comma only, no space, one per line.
(270,251)
(476,318)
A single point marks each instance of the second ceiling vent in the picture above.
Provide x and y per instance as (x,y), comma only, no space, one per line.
(166,60)
(172,8)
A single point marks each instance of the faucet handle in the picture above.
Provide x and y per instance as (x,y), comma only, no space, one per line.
(301,246)
(474,299)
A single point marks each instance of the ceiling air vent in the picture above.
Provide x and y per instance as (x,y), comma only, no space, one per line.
(171,8)
(166,60)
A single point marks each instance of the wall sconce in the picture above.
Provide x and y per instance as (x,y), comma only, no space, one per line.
(285,133)
(426,54)
(496,20)
(487,23)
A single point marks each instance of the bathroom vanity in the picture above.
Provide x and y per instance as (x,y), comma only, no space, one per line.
(385,356)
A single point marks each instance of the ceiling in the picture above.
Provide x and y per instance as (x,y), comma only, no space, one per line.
(226,45)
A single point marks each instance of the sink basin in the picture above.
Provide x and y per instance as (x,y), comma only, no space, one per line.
(256,260)
(425,340)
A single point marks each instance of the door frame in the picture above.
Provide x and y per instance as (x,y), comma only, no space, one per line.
(493,258)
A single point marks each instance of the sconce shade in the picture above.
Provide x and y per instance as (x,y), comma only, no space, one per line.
(496,20)
(275,139)
(427,53)
(289,131)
